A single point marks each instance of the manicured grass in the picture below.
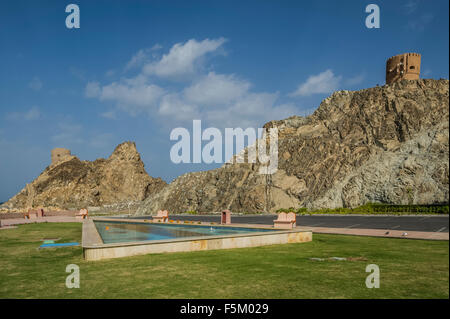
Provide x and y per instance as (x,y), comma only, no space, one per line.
(408,269)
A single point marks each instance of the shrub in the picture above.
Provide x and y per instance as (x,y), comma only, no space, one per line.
(374,208)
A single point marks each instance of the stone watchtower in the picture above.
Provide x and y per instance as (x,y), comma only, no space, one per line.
(58,154)
(403,66)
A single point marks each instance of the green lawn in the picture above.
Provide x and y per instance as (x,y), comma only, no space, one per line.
(408,269)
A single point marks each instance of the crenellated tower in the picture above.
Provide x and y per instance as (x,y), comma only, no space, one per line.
(403,66)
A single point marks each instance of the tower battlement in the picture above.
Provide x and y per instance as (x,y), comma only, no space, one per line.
(59,154)
(403,66)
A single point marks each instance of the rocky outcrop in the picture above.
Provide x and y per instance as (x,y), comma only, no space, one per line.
(385,144)
(71,183)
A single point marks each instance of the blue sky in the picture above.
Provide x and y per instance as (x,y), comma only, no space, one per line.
(137,69)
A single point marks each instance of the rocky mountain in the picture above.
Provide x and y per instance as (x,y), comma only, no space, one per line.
(72,183)
(385,144)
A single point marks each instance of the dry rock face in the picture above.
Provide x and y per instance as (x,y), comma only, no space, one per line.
(385,144)
(72,183)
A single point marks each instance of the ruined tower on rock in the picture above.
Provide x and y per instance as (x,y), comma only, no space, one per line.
(403,67)
(70,183)
(59,154)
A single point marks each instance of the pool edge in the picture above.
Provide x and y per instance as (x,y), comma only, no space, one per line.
(95,249)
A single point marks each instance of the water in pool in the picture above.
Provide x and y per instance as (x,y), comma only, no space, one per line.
(121,232)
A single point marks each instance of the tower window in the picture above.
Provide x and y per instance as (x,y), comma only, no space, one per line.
(412,67)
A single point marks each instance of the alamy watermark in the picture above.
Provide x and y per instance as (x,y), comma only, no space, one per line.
(73,19)
(373,280)
(373,19)
(73,280)
(264,150)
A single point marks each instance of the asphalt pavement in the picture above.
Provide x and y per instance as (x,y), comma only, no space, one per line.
(411,223)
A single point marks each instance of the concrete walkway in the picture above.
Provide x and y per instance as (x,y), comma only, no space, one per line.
(387,233)
(6,223)
(380,233)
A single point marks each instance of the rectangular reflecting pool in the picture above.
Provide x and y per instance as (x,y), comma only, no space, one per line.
(105,238)
(122,232)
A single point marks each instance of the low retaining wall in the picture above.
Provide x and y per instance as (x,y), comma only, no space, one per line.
(94,249)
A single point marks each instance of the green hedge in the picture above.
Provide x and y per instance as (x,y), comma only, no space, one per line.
(374,208)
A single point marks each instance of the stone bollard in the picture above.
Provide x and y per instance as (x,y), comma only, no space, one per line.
(226,217)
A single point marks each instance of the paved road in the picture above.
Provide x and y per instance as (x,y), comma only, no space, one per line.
(411,223)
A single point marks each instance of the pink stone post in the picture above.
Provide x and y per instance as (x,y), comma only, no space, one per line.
(226,217)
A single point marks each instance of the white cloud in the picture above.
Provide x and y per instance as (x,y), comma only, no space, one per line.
(175,107)
(92,89)
(251,110)
(325,82)
(142,56)
(35,84)
(132,98)
(182,58)
(216,89)
(220,100)
(131,95)
(32,114)
(137,60)
(245,109)
(136,81)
